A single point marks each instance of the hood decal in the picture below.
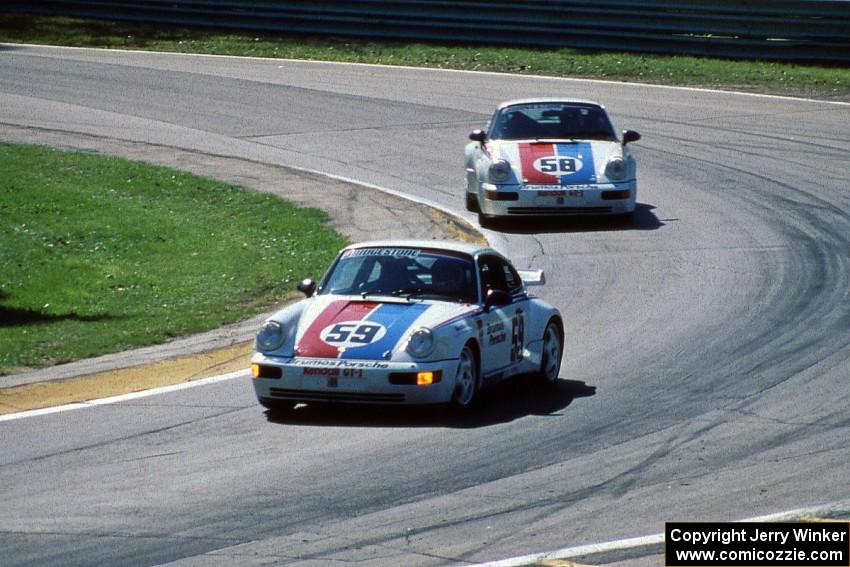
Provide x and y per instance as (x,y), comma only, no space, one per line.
(311,343)
(397,318)
(557,164)
(357,329)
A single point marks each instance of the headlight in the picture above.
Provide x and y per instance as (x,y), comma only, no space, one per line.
(499,171)
(270,336)
(421,342)
(616,168)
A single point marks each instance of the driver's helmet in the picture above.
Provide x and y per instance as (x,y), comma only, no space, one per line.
(447,275)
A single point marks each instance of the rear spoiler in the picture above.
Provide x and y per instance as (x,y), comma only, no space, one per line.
(532,277)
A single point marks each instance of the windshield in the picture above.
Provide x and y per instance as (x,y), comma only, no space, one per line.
(403,272)
(552,120)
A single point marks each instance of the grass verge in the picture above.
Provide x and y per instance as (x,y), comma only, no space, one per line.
(101,254)
(819,81)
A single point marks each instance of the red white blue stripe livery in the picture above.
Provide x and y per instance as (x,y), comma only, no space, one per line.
(550,157)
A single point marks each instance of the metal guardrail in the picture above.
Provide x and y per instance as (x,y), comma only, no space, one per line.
(791,30)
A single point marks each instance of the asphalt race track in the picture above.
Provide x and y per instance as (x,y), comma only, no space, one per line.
(707,364)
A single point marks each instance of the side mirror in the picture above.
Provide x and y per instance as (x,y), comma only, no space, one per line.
(307,287)
(630,136)
(478,136)
(497,298)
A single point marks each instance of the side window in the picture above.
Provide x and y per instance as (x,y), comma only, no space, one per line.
(494,126)
(512,279)
(492,274)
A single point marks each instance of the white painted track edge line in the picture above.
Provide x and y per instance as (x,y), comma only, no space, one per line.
(841,506)
(127,397)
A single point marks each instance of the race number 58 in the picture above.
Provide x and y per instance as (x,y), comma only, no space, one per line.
(556,165)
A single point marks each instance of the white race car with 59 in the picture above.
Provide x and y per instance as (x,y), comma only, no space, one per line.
(407,322)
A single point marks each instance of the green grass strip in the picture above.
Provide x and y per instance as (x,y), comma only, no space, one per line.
(819,81)
(100,254)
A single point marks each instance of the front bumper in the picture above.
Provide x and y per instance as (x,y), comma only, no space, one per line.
(558,200)
(350,381)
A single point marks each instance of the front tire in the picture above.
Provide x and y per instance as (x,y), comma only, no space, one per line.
(471,202)
(486,221)
(466,379)
(551,355)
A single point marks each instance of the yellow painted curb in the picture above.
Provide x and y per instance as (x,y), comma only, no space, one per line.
(455,227)
(126,380)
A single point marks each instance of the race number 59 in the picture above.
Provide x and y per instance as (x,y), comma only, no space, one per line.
(517,336)
(352,333)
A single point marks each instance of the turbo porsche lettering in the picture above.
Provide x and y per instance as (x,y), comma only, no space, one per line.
(339,363)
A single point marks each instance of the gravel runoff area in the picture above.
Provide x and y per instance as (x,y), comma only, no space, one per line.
(357,212)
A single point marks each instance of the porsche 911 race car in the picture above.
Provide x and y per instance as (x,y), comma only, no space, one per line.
(407,322)
(549,157)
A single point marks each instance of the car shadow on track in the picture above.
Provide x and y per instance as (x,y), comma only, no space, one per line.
(502,403)
(643,219)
